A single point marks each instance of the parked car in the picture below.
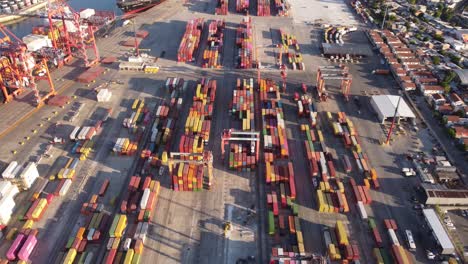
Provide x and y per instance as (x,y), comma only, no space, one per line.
(430,255)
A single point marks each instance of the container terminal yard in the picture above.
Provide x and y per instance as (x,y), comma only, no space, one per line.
(213,132)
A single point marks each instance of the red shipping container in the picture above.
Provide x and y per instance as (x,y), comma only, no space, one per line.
(275,203)
(348,250)
(356,255)
(377,237)
(331,169)
(367,194)
(388,224)
(110,256)
(82,246)
(352,182)
(376,184)
(357,194)
(397,255)
(393,224)
(76,243)
(104,187)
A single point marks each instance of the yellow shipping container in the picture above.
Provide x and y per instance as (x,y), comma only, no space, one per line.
(38,210)
(116,243)
(320,135)
(300,238)
(135,104)
(373,173)
(327,186)
(329,116)
(28,224)
(70,257)
(129,256)
(121,225)
(301,248)
(342,236)
(68,162)
(341,187)
(367,183)
(11,233)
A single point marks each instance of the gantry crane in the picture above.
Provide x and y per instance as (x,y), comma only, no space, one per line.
(337,73)
(19,70)
(234,135)
(205,159)
(76,35)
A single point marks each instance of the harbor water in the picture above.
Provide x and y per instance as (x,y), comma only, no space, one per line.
(24,27)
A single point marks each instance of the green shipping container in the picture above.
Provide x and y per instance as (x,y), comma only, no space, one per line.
(271,223)
(378,256)
(146,216)
(387,259)
(114,225)
(372,223)
(295,209)
(98,220)
(82,257)
(93,221)
(70,242)
(288,201)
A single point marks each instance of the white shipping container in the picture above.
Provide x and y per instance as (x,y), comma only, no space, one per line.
(89,237)
(11,192)
(74,133)
(109,243)
(65,187)
(87,13)
(4,187)
(362,210)
(144,198)
(127,243)
(29,174)
(393,237)
(137,231)
(8,172)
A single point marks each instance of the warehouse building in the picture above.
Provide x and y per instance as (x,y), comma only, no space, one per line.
(440,235)
(438,194)
(385,106)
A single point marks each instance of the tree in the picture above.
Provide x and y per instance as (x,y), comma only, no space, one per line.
(438,13)
(447,88)
(455,59)
(392,17)
(439,37)
(436,60)
(413,2)
(447,14)
(407,25)
(451,132)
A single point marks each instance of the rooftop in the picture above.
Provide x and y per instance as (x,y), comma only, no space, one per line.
(463,75)
(388,103)
(343,49)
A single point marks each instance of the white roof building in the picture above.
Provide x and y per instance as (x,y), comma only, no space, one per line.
(385,106)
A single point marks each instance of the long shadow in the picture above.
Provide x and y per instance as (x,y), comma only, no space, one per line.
(170,30)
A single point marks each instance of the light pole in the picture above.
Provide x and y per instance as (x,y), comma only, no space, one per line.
(385,16)
(393,121)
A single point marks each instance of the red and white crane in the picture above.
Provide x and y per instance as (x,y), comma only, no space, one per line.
(76,33)
(19,70)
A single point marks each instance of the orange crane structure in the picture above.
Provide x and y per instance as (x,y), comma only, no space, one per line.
(76,34)
(19,70)
(333,73)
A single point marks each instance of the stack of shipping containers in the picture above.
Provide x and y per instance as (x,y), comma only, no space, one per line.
(331,196)
(242,6)
(282,7)
(338,244)
(243,104)
(263,8)
(242,154)
(193,177)
(190,41)
(222,7)
(400,255)
(294,57)
(280,178)
(244,42)
(212,55)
